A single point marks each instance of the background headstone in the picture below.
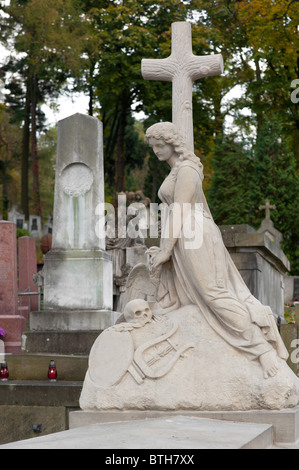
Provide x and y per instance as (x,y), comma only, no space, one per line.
(27,267)
(260,261)
(78,277)
(35,226)
(15,216)
(10,320)
(48,226)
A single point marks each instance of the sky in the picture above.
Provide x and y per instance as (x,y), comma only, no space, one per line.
(66,106)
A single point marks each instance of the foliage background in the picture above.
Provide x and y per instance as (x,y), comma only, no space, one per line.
(247,141)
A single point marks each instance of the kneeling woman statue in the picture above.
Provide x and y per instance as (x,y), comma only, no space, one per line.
(204,274)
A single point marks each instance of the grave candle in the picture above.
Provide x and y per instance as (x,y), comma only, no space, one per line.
(4,374)
(52,371)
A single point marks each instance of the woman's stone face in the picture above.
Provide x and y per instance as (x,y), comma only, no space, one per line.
(162,150)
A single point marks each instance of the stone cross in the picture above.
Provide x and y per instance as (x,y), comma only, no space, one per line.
(267,208)
(182,68)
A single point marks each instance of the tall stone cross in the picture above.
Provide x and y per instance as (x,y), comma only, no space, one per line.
(182,68)
(267,208)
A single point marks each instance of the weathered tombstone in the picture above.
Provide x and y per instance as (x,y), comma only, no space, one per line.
(10,320)
(15,216)
(35,226)
(260,261)
(27,268)
(77,270)
(48,226)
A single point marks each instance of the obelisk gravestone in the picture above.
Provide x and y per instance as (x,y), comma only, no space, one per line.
(77,271)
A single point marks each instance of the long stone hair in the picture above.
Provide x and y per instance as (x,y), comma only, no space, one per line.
(169,133)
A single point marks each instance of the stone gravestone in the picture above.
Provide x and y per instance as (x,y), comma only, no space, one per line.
(48,226)
(12,323)
(260,261)
(77,270)
(27,268)
(15,216)
(35,226)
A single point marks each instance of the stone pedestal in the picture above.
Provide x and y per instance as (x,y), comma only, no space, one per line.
(10,320)
(260,261)
(78,279)
(178,362)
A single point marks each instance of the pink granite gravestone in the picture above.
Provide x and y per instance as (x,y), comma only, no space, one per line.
(10,320)
(27,267)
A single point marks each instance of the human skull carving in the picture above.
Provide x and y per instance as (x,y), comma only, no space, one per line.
(138,311)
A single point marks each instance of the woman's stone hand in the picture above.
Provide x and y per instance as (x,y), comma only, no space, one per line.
(158,257)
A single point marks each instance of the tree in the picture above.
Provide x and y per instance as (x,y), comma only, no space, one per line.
(230,195)
(49,36)
(10,143)
(125,32)
(272,35)
(277,180)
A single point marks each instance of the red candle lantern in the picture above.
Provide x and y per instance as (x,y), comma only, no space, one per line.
(4,374)
(52,371)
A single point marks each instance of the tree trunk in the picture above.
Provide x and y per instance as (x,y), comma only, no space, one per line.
(120,147)
(257,101)
(90,90)
(34,154)
(219,118)
(25,155)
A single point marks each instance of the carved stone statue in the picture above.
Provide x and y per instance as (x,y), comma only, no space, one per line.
(204,342)
(206,276)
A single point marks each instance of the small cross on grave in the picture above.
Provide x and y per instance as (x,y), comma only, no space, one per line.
(267,225)
(182,68)
(267,208)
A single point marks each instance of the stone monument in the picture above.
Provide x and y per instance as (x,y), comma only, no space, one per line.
(77,270)
(260,261)
(192,336)
(10,319)
(17,217)
(35,226)
(27,269)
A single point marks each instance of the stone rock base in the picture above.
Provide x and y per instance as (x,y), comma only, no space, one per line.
(209,375)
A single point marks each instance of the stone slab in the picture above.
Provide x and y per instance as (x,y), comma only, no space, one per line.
(40,393)
(35,366)
(17,422)
(285,422)
(59,342)
(72,320)
(27,267)
(175,432)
